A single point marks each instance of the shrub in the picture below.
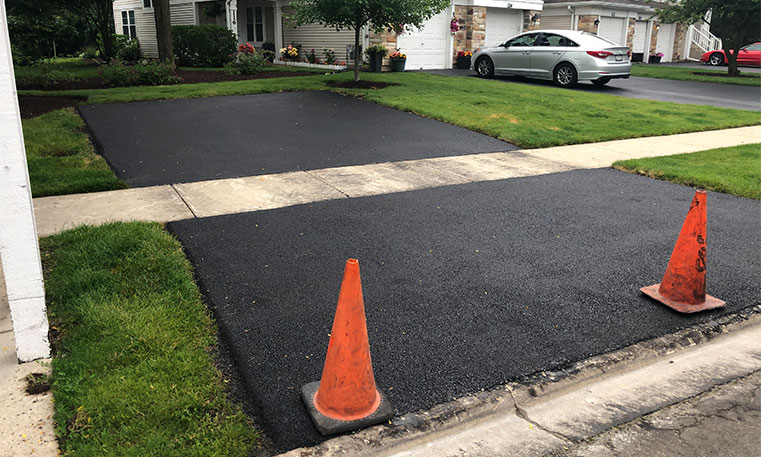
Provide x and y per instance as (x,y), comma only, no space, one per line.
(142,74)
(127,49)
(246,63)
(90,52)
(375,49)
(312,57)
(207,45)
(19,58)
(330,56)
(42,74)
(268,55)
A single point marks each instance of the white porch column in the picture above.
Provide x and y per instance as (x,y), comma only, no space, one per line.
(278,28)
(19,251)
(231,10)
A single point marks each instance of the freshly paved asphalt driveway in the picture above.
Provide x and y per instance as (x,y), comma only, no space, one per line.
(172,141)
(466,287)
(692,93)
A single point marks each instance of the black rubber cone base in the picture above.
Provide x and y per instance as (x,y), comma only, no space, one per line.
(329,426)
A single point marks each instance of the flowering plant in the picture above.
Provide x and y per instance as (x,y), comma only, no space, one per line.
(290,53)
(397,56)
(246,48)
(464,54)
(330,55)
(453,24)
(659,54)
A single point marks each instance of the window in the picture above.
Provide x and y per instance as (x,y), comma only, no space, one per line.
(128,24)
(147,3)
(523,40)
(548,39)
(255,24)
(753,47)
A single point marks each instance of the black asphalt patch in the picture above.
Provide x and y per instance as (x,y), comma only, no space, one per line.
(174,141)
(466,287)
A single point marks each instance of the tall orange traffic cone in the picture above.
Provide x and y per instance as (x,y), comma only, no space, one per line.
(346,397)
(683,287)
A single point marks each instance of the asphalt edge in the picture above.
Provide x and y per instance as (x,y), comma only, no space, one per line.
(508,398)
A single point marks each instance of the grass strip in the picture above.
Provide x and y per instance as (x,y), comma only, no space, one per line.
(527,116)
(61,159)
(688,74)
(132,373)
(735,170)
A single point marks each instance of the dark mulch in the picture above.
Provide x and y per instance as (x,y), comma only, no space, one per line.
(187,77)
(698,73)
(33,106)
(360,84)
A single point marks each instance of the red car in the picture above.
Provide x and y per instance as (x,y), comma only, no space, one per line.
(749,55)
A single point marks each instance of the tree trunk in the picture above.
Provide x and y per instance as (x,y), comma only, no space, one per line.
(732,62)
(163,31)
(357,53)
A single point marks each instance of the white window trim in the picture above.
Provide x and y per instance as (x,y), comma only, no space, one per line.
(264,24)
(129,24)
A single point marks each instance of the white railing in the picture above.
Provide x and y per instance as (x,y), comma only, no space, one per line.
(705,40)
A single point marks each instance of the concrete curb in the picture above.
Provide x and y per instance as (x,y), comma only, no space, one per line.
(550,411)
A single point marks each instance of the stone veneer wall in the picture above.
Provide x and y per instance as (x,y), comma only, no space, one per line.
(587,23)
(527,24)
(680,35)
(387,39)
(654,38)
(472,33)
(630,34)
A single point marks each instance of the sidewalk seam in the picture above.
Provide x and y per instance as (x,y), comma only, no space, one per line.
(327,184)
(183,201)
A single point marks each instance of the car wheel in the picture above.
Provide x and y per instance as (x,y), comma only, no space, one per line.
(716,59)
(565,75)
(601,81)
(485,67)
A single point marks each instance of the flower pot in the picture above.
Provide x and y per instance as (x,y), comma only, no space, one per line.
(654,59)
(399,64)
(638,57)
(376,63)
(463,63)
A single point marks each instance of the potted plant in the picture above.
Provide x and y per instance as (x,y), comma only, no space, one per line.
(655,58)
(463,60)
(398,60)
(376,52)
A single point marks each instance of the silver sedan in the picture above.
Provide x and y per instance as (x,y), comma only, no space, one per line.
(565,56)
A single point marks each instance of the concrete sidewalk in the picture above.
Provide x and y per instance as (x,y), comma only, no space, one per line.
(229,196)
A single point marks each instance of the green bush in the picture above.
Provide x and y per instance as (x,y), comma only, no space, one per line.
(205,45)
(20,58)
(42,74)
(268,55)
(246,64)
(149,73)
(90,52)
(127,49)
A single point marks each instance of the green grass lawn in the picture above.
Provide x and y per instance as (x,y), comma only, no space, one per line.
(75,67)
(528,116)
(61,159)
(735,170)
(133,370)
(688,74)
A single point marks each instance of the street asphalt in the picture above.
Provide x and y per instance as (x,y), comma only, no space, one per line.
(466,287)
(174,141)
(664,90)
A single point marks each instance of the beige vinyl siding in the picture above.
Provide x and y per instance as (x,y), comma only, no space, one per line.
(316,36)
(182,13)
(269,32)
(145,24)
(555,22)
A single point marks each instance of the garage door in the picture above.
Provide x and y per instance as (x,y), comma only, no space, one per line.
(426,48)
(640,35)
(555,22)
(665,42)
(502,24)
(611,28)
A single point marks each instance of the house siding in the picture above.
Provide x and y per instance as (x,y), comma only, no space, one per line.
(181,13)
(316,36)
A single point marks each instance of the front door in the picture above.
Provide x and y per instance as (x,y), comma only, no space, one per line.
(514,57)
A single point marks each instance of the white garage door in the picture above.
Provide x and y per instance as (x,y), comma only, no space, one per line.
(502,24)
(426,48)
(611,28)
(665,42)
(640,34)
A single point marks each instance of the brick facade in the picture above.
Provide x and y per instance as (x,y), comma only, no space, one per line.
(680,35)
(387,39)
(630,34)
(472,33)
(654,37)
(587,23)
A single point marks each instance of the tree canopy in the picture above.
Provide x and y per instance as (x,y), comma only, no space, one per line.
(736,22)
(355,14)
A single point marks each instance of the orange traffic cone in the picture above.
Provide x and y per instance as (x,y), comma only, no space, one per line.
(683,287)
(346,397)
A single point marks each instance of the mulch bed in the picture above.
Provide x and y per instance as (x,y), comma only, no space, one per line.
(724,75)
(33,106)
(187,76)
(360,84)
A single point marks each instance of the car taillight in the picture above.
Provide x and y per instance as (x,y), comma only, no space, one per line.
(600,54)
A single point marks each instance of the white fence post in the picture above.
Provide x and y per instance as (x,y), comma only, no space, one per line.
(19,250)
